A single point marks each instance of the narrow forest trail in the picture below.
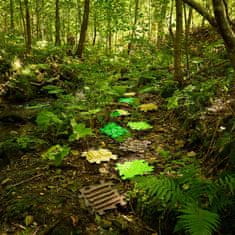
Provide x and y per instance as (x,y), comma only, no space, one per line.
(50,197)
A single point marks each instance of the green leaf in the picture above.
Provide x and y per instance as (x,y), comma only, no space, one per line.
(51,89)
(114,131)
(139,125)
(79,130)
(128,170)
(45,119)
(56,154)
(197,221)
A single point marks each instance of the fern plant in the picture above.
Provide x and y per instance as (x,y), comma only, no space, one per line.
(197,221)
(196,200)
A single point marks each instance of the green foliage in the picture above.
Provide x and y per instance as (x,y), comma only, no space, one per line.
(198,200)
(53,90)
(128,170)
(197,221)
(21,143)
(56,154)
(79,130)
(47,119)
(28,142)
(195,96)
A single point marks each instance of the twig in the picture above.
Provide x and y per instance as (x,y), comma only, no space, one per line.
(19,226)
(24,181)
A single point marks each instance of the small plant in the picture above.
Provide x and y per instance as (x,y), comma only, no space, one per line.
(79,130)
(128,170)
(56,154)
(195,200)
(53,90)
(47,119)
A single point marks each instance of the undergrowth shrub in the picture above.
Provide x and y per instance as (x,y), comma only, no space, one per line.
(197,203)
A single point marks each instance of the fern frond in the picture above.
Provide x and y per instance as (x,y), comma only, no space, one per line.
(227,183)
(197,221)
(158,188)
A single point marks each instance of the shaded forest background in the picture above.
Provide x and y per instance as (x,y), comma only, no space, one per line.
(160,72)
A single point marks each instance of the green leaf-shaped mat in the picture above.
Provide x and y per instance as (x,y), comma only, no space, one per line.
(114,130)
(128,170)
(139,125)
(127,100)
(119,112)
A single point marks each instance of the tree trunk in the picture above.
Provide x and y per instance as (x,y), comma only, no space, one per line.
(225,28)
(178,41)
(57,23)
(134,26)
(187,22)
(28,27)
(12,15)
(160,26)
(95,29)
(84,27)
(220,21)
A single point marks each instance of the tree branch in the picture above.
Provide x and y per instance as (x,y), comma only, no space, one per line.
(202,11)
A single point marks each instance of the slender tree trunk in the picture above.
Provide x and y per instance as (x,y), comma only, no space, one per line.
(57,23)
(187,29)
(12,15)
(134,26)
(178,41)
(160,26)
(78,19)
(225,28)
(23,20)
(28,27)
(170,21)
(95,29)
(84,27)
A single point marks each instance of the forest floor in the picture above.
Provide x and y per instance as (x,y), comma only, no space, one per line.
(48,197)
(50,99)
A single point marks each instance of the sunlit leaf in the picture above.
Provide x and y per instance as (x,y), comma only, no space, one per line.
(79,130)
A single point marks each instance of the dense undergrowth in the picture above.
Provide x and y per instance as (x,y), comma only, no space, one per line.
(66,101)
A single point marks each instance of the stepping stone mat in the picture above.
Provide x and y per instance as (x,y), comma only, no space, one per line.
(102,197)
(148,107)
(136,146)
(114,131)
(130,169)
(119,112)
(139,126)
(129,94)
(127,100)
(98,156)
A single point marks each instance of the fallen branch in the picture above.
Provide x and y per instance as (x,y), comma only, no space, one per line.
(24,181)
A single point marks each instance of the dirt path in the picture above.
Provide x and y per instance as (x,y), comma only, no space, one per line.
(41,199)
